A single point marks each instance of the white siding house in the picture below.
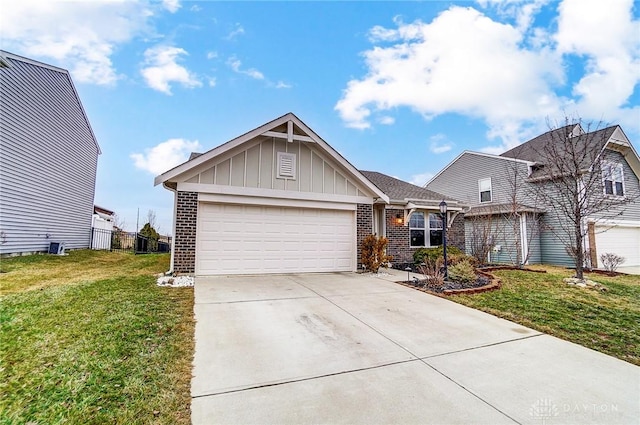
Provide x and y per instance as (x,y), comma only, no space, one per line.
(48,159)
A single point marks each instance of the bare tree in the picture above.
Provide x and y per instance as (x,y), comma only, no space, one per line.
(569,180)
(481,236)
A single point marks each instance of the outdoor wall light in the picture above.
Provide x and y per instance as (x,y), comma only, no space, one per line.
(399,218)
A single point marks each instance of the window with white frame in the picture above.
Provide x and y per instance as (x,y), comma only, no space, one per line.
(484,186)
(425,229)
(613,179)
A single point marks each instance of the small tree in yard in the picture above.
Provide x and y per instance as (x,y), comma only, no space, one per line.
(569,180)
(373,254)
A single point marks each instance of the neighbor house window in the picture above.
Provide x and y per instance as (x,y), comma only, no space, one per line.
(613,178)
(425,229)
(485,190)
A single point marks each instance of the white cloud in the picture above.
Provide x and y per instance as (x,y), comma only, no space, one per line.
(283,85)
(238,30)
(171,5)
(165,155)
(507,72)
(162,68)
(462,62)
(212,81)
(606,34)
(421,179)
(386,120)
(80,36)
(195,8)
(212,55)
(439,144)
(236,64)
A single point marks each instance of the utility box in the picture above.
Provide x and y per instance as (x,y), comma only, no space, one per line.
(56,248)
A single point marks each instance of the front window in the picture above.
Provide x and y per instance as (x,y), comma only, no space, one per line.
(484,185)
(425,229)
(613,179)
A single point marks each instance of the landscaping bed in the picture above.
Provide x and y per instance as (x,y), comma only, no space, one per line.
(91,338)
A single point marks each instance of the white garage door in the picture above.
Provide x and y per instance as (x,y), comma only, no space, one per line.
(621,240)
(246,239)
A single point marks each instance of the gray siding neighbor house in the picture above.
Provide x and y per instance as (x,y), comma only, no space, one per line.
(514,223)
(48,159)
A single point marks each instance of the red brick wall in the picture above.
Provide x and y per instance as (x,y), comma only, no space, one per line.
(398,236)
(184,252)
(364,226)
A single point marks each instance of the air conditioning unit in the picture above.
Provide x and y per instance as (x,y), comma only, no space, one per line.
(56,248)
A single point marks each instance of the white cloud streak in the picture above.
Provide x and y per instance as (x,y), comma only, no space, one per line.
(439,144)
(421,179)
(171,5)
(235,64)
(161,68)
(165,155)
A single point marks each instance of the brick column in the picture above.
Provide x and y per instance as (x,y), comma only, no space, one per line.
(455,233)
(398,236)
(184,254)
(364,227)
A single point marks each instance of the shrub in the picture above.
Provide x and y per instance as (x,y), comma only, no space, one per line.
(462,272)
(430,255)
(433,274)
(611,261)
(373,254)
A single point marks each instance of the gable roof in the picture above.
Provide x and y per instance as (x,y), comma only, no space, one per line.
(399,190)
(591,144)
(6,59)
(295,130)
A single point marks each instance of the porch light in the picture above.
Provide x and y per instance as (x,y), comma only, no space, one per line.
(443,211)
(399,218)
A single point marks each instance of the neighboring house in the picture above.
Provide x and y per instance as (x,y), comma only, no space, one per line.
(412,219)
(48,159)
(101,228)
(518,227)
(279,199)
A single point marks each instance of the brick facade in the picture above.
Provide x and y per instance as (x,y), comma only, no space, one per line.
(184,252)
(364,227)
(398,236)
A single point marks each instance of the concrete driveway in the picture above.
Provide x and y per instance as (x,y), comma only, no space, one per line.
(348,348)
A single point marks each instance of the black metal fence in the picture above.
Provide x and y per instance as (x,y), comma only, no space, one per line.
(119,240)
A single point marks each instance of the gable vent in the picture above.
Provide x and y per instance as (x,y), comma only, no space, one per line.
(286,165)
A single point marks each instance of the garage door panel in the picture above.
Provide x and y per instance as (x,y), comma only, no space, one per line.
(620,240)
(236,239)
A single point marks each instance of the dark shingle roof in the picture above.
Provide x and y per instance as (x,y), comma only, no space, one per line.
(397,189)
(587,146)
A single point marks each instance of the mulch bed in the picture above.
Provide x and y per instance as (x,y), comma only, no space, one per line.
(523,269)
(484,282)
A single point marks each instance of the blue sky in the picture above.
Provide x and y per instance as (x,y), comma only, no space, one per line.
(396,87)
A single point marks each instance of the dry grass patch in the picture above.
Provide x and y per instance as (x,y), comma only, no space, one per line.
(92,345)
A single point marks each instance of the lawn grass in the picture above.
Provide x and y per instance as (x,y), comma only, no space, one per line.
(606,321)
(90,338)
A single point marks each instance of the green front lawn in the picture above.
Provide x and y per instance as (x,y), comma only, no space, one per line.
(90,338)
(608,321)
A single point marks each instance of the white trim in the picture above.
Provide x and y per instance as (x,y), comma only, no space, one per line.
(271,193)
(619,223)
(524,247)
(295,137)
(333,154)
(617,166)
(427,228)
(480,190)
(488,155)
(273,202)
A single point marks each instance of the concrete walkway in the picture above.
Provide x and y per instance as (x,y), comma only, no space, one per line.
(356,349)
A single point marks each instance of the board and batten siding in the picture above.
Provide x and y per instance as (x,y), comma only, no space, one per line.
(48,160)
(254,165)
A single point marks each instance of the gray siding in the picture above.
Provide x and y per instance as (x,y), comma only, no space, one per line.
(630,211)
(48,160)
(460,180)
